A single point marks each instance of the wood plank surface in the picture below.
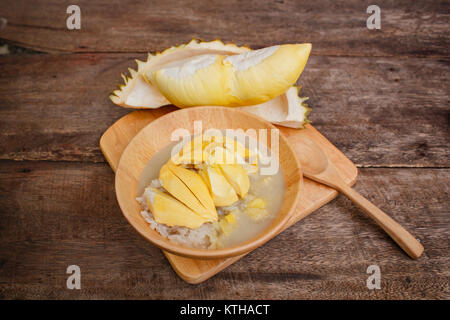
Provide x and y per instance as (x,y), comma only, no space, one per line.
(378,111)
(55,214)
(381,96)
(409,28)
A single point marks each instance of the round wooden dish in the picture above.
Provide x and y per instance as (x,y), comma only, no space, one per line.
(157,135)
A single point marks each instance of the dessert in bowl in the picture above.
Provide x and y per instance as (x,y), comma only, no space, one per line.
(233,191)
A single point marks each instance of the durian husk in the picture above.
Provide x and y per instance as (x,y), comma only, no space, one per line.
(137,92)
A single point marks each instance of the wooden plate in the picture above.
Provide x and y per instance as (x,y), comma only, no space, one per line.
(115,139)
(157,135)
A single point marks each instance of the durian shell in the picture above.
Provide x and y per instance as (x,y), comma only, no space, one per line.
(183,51)
(286,110)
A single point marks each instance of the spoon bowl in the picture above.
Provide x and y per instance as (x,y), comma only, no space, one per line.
(311,156)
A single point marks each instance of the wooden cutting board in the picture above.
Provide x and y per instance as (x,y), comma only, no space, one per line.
(315,195)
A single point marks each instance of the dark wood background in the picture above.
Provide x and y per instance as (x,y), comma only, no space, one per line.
(381,96)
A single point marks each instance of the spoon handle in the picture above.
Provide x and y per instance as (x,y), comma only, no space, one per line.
(403,238)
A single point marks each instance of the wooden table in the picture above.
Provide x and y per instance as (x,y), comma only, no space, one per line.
(381,96)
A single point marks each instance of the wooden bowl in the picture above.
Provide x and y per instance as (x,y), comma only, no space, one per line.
(156,136)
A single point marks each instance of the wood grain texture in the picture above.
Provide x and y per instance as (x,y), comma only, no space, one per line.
(59,213)
(381,96)
(378,111)
(418,28)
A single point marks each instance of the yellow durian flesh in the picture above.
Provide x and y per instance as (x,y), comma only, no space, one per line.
(256,209)
(233,145)
(238,80)
(238,148)
(171,212)
(222,192)
(250,168)
(197,81)
(202,173)
(191,152)
(257,214)
(208,151)
(237,177)
(198,187)
(257,203)
(213,150)
(225,149)
(233,152)
(257,81)
(175,186)
(227,224)
(220,155)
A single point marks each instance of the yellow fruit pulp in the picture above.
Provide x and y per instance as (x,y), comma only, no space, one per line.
(188,187)
(171,212)
(249,78)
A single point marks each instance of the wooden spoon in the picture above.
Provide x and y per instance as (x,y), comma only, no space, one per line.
(316,167)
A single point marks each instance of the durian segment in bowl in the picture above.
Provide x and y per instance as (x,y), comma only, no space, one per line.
(204,174)
(219,160)
(222,191)
(138,92)
(170,211)
(189,188)
(236,175)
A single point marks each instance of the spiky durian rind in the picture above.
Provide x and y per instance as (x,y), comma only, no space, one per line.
(306,108)
(288,110)
(120,95)
(306,111)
